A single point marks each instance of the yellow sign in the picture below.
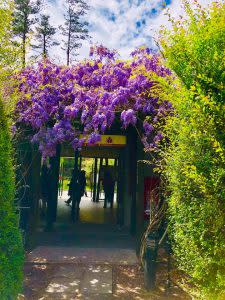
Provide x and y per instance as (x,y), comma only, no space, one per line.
(111,141)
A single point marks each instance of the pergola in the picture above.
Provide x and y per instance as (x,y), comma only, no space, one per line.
(68,110)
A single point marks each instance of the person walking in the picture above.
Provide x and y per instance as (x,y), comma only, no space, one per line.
(44,190)
(70,190)
(78,190)
(108,186)
(82,184)
(49,183)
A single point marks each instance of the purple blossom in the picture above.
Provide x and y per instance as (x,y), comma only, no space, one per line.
(128,117)
(94,93)
(158,138)
(148,128)
(13,129)
(94,138)
(71,112)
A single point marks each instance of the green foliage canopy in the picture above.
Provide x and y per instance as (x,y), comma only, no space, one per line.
(11,248)
(194,162)
(45,35)
(24,17)
(8,52)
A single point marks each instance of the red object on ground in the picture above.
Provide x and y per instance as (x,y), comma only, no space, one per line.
(151,193)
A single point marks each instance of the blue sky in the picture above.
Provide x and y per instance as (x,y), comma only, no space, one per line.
(120,24)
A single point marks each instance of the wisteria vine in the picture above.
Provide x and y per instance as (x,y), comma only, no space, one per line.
(60,103)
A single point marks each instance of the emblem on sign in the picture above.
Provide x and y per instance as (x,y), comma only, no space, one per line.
(109,140)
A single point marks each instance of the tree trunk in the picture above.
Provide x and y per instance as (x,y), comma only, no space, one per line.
(68,43)
(44,47)
(25,27)
(24,50)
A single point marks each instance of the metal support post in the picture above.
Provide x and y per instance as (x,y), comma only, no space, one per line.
(150,261)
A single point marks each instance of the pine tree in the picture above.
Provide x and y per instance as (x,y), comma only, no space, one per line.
(45,35)
(74,29)
(24,18)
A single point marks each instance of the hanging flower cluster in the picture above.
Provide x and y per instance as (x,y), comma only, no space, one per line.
(60,103)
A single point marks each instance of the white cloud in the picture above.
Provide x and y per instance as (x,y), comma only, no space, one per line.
(119,24)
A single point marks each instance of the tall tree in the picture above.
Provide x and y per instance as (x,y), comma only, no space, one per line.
(24,17)
(74,29)
(45,35)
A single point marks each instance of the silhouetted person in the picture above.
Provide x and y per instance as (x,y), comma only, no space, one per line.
(77,186)
(44,189)
(71,187)
(108,186)
(82,183)
(50,188)
(76,191)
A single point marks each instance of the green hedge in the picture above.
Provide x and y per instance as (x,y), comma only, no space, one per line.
(194,161)
(11,248)
(195,172)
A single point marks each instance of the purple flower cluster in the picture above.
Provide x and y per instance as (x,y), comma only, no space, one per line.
(128,117)
(102,52)
(60,103)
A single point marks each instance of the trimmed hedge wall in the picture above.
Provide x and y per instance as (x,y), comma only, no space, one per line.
(194,160)
(11,247)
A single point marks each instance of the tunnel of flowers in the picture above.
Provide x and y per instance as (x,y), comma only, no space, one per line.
(79,103)
(155,119)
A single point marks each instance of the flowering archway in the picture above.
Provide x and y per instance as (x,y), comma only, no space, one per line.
(60,103)
(76,105)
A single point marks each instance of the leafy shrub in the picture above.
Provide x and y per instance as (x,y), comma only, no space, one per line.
(11,249)
(194,162)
